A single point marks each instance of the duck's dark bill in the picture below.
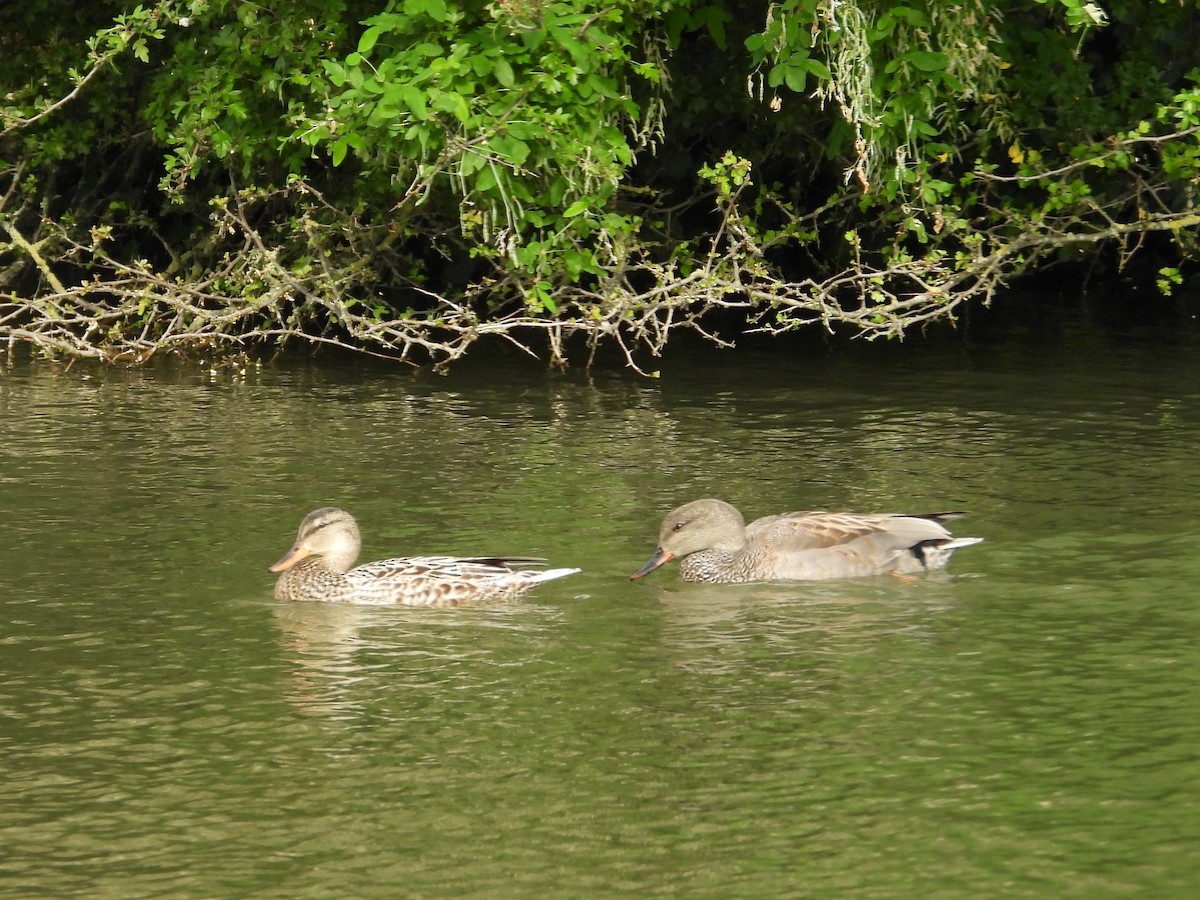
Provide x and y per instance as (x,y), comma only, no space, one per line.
(660,556)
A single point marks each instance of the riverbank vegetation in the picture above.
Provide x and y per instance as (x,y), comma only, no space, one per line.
(408,177)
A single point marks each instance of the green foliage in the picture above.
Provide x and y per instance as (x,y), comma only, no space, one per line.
(621,166)
(234,78)
(522,113)
(1168,279)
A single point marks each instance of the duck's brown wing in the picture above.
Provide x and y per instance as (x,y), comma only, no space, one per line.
(796,532)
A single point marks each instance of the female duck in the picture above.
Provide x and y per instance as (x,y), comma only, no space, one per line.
(715,544)
(318,568)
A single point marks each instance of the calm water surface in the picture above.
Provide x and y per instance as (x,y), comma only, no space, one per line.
(1025,724)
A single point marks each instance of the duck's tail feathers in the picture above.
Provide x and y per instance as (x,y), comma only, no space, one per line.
(955,543)
(940,517)
(551,574)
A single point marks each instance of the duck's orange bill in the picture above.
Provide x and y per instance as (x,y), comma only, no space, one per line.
(293,556)
(660,556)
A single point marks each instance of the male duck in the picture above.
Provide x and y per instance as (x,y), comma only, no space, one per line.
(318,568)
(715,544)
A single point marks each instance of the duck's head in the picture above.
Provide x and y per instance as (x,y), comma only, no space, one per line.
(696,526)
(329,533)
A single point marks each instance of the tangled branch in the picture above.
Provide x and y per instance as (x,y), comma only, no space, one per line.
(312,276)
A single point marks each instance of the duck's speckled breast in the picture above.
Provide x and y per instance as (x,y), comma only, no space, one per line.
(314,583)
(711,567)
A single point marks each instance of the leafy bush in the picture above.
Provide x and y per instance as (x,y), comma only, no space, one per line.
(404,180)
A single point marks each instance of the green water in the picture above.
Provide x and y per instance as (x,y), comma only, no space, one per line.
(1026,723)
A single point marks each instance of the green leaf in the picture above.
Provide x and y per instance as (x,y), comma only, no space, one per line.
(471,163)
(369,39)
(795,79)
(513,150)
(414,99)
(913,17)
(456,105)
(566,39)
(337,75)
(819,70)
(435,9)
(486,179)
(338,151)
(927,61)
(504,73)
(577,208)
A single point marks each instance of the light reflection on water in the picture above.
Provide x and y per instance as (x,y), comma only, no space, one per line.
(334,649)
(1024,723)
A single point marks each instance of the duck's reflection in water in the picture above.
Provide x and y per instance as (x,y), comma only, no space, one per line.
(721,628)
(344,656)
